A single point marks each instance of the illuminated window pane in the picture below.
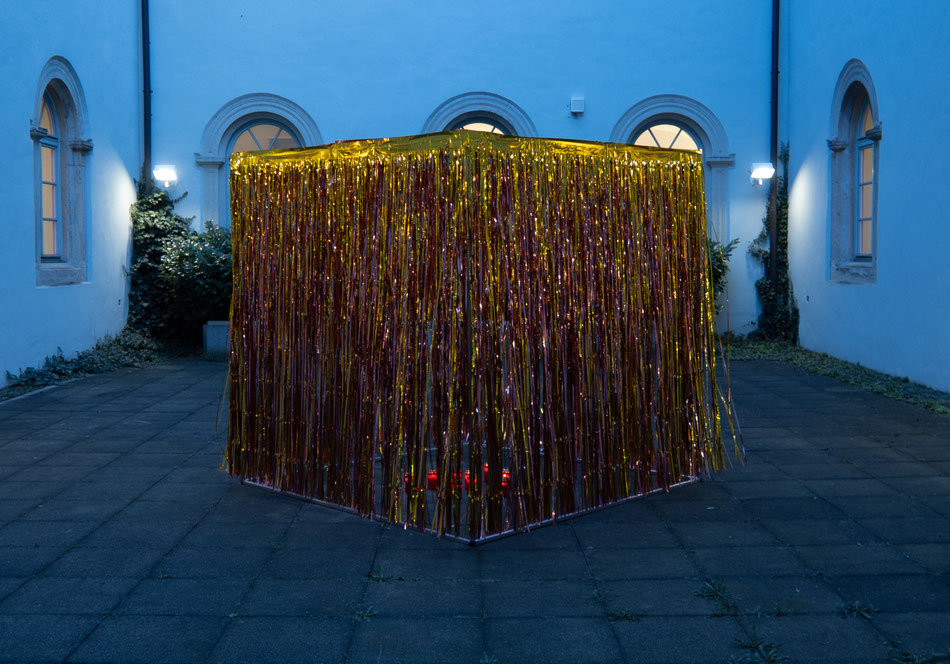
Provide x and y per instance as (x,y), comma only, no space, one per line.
(46,119)
(684,142)
(283,141)
(646,140)
(665,135)
(482,126)
(49,238)
(867,122)
(867,165)
(49,201)
(264,136)
(864,241)
(245,142)
(48,161)
(867,194)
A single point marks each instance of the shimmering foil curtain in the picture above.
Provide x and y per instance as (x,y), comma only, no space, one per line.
(471,333)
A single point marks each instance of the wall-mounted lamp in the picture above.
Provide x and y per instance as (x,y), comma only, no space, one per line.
(761,171)
(166,174)
(577,105)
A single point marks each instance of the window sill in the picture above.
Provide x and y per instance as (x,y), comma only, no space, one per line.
(58,273)
(854,272)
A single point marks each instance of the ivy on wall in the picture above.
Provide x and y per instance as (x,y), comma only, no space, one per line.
(719,255)
(153,223)
(180,279)
(779,316)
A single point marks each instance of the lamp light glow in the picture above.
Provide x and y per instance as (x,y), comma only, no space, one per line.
(166,174)
(761,171)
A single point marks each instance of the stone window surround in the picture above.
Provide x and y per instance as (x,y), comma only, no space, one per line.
(708,130)
(480,105)
(853,84)
(58,79)
(223,127)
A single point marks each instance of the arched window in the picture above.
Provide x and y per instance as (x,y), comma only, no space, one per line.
(59,175)
(50,174)
(864,148)
(264,136)
(681,123)
(854,176)
(484,123)
(480,111)
(269,134)
(258,121)
(667,135)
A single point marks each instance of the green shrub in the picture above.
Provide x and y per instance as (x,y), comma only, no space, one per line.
(779,316)
(180,279)
(127,349)
(195,274)
(719,255)
(153,223)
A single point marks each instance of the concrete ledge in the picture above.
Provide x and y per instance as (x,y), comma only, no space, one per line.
(216,334)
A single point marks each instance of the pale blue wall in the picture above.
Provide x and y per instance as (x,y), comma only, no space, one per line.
(381,69)
(901,323)
(100,41)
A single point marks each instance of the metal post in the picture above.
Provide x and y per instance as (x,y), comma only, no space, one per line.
(146,102)
(773,147)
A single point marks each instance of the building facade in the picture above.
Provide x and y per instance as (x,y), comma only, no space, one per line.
(70,80)
(236,75)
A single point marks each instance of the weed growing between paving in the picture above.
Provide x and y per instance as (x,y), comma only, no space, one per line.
(623,615)
(365,614)
(907,657)
(726,603)
(857,609)
(758,650)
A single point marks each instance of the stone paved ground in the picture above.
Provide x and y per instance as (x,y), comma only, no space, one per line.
(122,541)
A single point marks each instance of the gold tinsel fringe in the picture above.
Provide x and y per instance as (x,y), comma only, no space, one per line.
(471,333)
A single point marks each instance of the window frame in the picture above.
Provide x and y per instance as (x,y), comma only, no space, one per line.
(51,141)
(706,130)
(467,106)
(862,143)
(223,129)
(660,120)
(59,90)
(499,123)
(256,122)
(853,256)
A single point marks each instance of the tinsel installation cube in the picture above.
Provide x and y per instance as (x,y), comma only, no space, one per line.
(471,334)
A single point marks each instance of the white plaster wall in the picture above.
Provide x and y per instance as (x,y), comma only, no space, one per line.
(901,323)
(379,69)
(100,40)
(365,70)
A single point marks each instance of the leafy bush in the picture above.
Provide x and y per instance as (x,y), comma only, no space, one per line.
(127,349)
(195,274)
(779,317)
(180,278)
(719,255)
(153,222)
